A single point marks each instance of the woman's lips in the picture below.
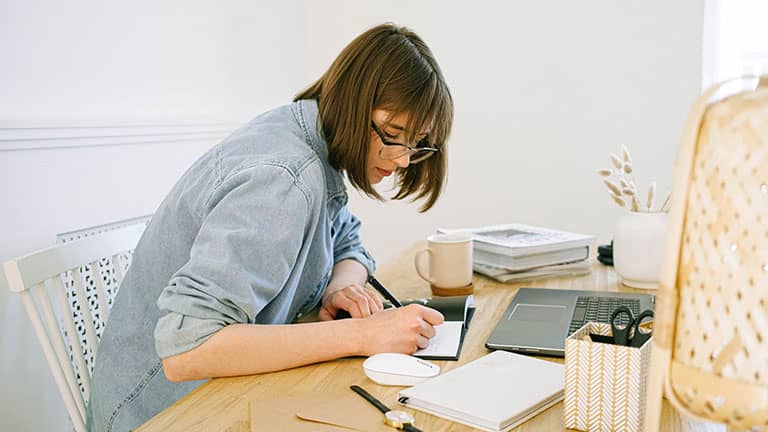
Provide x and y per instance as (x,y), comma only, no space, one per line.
(384,173)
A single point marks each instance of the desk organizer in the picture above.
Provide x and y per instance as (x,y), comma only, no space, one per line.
(605,384)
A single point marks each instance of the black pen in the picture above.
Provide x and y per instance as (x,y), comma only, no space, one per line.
(383,291)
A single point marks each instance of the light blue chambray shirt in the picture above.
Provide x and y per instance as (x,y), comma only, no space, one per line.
(249,234)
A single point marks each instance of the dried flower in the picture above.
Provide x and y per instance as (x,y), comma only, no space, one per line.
(667,202)
(616,161)
(625,153)
(621,183)
(651,193)
(612,186)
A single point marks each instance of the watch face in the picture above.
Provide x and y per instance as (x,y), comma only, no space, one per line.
(398,418)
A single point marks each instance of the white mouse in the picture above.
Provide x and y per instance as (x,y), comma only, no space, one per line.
(399,369)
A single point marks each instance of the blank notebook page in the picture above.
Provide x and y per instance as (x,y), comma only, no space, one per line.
(495,392)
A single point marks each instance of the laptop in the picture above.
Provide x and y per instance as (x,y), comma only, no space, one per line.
(538,320)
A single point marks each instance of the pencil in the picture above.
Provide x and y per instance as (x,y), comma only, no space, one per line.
(383,291)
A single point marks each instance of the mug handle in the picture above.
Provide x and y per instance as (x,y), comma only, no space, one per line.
(418,261)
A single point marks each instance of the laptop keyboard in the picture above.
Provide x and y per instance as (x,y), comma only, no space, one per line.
(599,309)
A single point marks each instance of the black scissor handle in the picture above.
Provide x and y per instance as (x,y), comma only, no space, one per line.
(640,336)
(621,334)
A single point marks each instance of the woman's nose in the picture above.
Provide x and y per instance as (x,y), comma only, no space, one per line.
(403,161)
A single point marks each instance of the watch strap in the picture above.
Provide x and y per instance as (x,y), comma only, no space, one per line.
(380,406)
(411,428)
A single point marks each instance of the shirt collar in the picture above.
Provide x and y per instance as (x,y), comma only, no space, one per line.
(306,112)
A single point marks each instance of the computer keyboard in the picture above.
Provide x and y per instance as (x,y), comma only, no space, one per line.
(599,309)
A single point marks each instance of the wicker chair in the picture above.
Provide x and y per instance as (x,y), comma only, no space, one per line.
(710,352)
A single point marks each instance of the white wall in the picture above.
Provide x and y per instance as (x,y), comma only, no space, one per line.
(89,63)
(543,91)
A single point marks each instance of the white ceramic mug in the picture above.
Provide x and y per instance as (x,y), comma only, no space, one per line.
(446,263)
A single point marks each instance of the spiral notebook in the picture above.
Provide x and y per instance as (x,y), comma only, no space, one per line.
(494,393)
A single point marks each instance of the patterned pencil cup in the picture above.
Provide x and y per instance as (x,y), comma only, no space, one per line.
(605,384)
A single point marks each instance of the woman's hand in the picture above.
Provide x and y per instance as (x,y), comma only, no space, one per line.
(359,301)
(402,330)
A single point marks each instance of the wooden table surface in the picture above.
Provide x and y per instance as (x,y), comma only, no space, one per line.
(223,404)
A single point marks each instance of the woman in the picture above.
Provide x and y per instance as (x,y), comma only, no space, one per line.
(257,233)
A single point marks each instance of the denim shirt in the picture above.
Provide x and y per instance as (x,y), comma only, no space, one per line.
(249,234)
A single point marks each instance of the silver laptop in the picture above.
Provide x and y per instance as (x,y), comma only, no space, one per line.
(539,319)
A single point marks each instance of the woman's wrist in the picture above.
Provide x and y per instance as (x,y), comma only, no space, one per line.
(355,329)
(331,288)
(345,273)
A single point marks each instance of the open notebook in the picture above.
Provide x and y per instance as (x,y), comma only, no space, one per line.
(494,393)
(449,336)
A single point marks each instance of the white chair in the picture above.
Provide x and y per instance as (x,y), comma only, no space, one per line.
(81,277)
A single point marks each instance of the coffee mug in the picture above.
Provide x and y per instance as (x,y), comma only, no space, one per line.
(446,264)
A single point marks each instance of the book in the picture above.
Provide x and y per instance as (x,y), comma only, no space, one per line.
(525,262)
(521,240)
(501,274)
(494,393)
(449,336)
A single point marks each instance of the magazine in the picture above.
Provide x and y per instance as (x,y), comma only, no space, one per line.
(526,262)
(519,239)
(578,268)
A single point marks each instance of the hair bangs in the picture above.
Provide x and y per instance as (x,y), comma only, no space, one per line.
(431,109)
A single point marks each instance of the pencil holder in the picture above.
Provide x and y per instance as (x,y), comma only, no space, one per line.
(605,384)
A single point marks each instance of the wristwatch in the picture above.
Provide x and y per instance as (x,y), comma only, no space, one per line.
(397,419)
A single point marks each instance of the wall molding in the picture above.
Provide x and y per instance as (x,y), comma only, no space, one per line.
(36,138)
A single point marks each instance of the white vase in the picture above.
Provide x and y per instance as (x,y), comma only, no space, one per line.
(638,248)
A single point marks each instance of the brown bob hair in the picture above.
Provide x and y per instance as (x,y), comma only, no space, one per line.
(391,68)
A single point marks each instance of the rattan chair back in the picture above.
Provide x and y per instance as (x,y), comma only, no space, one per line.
(711,335)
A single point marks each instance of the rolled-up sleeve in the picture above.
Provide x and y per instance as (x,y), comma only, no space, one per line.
(241,258)
(347,242)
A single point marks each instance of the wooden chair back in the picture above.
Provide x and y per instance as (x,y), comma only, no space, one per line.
(67,292)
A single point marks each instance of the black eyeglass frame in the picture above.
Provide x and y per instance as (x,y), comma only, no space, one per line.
(417,154)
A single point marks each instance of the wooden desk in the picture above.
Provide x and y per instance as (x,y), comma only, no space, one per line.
(222,404)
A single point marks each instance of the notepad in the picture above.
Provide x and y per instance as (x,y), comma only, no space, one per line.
(446,343)
(494,393)
(449,336)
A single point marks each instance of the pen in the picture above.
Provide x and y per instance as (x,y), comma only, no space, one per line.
(383,291)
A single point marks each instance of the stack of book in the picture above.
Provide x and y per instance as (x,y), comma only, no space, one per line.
(516,252)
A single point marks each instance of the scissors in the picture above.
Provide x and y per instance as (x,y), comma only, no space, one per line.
(624,335)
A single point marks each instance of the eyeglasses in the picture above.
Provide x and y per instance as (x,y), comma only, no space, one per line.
(393,150)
